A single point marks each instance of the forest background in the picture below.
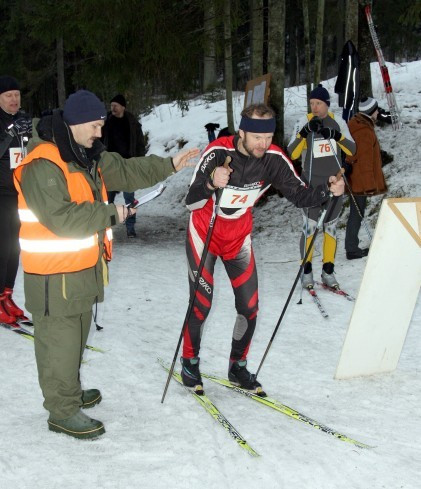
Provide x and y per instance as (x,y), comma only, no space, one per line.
(155,51)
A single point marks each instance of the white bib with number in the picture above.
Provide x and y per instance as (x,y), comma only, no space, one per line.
(239,198)
(16,156)
(322,148)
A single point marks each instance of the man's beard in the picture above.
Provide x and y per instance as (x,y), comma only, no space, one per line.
(249,151)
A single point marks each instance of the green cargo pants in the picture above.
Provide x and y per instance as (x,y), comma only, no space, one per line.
(59,346)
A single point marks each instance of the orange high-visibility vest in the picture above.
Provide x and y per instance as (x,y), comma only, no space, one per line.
(42,251)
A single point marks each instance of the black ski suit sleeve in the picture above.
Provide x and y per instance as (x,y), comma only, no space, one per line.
(286,181)
(199,193)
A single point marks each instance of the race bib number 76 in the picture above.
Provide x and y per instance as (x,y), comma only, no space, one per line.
(323,148)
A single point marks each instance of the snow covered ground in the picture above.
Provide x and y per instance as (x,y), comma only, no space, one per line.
(176,444)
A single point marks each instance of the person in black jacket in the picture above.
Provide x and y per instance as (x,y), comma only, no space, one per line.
(255,165)
(123,134)
(15,130)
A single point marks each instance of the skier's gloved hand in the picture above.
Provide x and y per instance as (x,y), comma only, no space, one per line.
(314,125)
(22,125)
(329,133)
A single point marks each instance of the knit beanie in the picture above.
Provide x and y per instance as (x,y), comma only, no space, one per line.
(83,106)
(320,93)
(8,83)
(368,105)
(119,99)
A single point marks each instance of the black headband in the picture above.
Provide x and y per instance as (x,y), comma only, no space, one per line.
(258,125)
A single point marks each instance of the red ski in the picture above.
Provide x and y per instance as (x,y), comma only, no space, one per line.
(390,96)
(337,290)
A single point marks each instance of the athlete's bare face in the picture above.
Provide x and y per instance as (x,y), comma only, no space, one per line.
(319,108)
(254,143)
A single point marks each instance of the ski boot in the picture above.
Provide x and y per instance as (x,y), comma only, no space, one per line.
(10,306)
(328,277)
(239,375)
(5,316)
(190,374)
(307,281)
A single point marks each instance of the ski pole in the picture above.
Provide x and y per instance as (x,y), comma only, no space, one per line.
(324,217)
(306,225)
(197,279)
(350,191)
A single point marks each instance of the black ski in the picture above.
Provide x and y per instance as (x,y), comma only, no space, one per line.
(17,328)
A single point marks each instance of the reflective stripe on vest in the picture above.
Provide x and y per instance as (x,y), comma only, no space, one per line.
(43,252)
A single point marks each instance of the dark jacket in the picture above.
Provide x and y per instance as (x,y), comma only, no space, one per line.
(136,140)
(367,176)
(7,141)
(45,190)
(347,84)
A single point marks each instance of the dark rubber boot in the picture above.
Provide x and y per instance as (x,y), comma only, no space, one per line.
(90,398)
(79,426)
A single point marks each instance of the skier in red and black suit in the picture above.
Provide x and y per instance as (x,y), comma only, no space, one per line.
(255,165)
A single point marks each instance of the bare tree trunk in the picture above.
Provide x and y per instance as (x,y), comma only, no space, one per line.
(276,63)
(366,51)
(340,28)
(256,38)
(293,46)
(307,48)
(209,62)
(351,21)
(319,41)
(228,64)
(61,87)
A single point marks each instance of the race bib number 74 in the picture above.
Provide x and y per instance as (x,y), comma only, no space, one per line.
(238,198)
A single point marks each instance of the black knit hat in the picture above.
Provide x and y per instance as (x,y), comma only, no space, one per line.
(119,99)
(83,106)
(320,93)
(8,83)
(368,105)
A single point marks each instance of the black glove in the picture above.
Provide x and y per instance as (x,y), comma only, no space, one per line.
(384,116)
(314,125)
(211,126)
(22,125)
(329,133)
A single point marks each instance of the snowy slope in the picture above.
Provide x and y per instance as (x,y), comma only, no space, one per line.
(176,444)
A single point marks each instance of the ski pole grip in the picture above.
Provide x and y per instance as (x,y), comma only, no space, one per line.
(227,162)
(340,173)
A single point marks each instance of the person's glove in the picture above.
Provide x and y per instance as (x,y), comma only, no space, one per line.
(329,133)
(22,125)
(210,126)
(384,116)
(314,125)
